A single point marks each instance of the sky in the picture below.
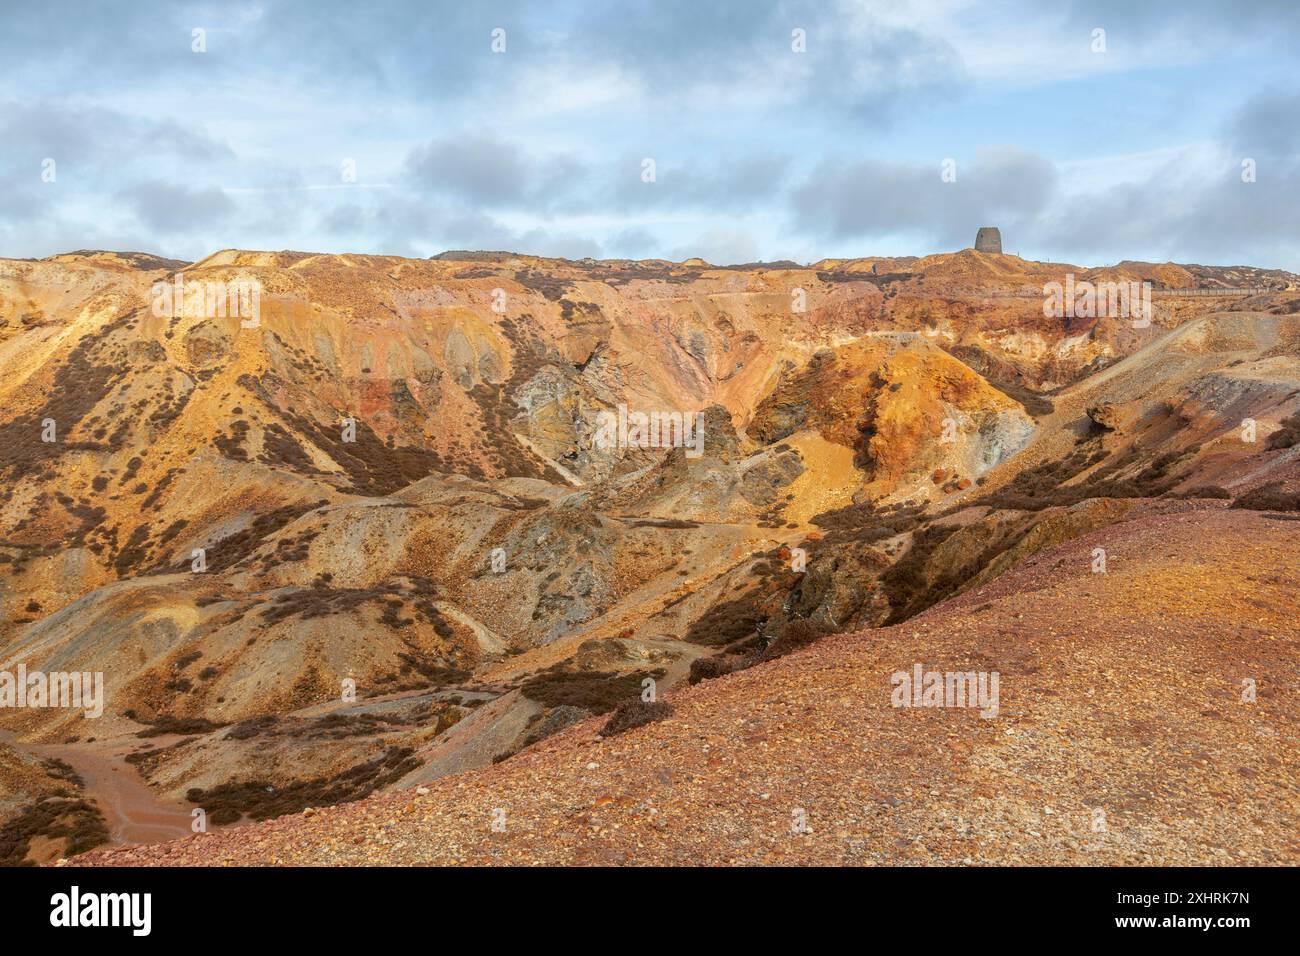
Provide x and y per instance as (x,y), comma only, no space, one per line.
(736,131)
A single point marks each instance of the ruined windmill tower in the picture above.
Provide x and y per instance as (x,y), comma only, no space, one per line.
(988,239)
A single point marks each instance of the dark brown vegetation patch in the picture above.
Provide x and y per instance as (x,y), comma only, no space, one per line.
(568,309)
(707,668)
(262,800)
(635,713)
(280,448)
(374,467)
(551,287)
(596,691)
(57,815)
(319,600)
(727,621)
(1043,486)
(865,524)
(1270,497)
(1205,491)
(166,724)
(76,821)
(505,453)
(907,583)
(235,548)
(1287,436)
(795,635)
(232,446)
(81,382)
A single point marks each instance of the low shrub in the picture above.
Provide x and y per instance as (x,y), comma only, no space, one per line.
(596,691)
(1269,497)
(1286,436)
(707,668)
(635,713)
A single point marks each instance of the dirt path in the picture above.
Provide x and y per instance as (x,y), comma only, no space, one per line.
(133,812)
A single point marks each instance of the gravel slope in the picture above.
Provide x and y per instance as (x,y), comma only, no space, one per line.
(1119,692)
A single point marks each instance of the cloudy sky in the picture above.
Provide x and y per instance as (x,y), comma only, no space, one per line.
(408,128)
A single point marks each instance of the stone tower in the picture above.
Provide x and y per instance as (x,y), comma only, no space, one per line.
(988,239)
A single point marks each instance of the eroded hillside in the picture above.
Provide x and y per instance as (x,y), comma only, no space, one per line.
(1122,738)
(391,483)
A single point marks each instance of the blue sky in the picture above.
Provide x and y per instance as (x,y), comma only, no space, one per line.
(761,152)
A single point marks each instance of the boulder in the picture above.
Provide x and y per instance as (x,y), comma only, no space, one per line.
(1106,415)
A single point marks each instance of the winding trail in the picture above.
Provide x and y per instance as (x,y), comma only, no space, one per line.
(133,811)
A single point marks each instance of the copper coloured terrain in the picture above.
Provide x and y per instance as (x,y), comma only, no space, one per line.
(1122,738)
(393,485)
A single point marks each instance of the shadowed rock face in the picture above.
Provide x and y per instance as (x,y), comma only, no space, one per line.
(988,239)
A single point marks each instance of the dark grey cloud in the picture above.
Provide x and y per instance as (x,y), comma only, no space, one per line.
(635,243)
(483,169)
(487,171)
(1268,125)
(81,147)
(853,59)
(51,233)
(439,50)
(563,245)
(719,184)
(170,208)
(722,246)
(92,136)
(410,225)
(1194,24)
(435,46)
(534,149)
(1193,211)
(1189,208)
(870,198)
(23,196)
(1219,219)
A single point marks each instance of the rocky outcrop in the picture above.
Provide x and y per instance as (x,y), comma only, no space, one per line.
(904,407)
(1107,415)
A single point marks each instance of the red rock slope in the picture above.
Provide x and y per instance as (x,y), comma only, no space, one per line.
(1122,738)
